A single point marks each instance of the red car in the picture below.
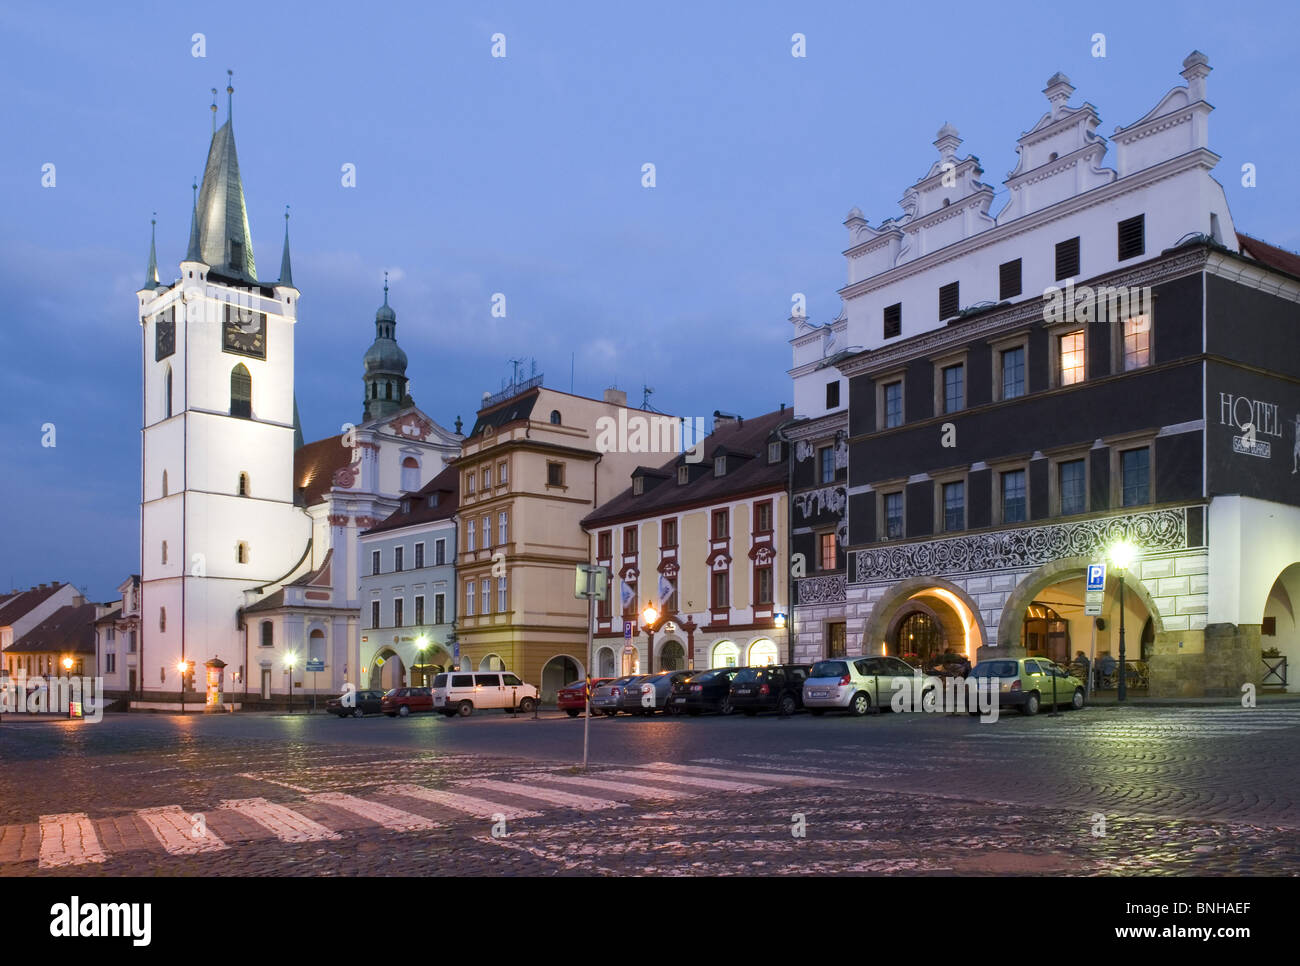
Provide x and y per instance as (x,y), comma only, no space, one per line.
(571,698)
(404,701)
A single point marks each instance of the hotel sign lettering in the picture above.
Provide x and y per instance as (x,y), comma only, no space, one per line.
(1255,418)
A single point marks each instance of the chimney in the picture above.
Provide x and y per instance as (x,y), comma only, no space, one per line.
(78,601)
(721,419)
(1196,67)
(615,397)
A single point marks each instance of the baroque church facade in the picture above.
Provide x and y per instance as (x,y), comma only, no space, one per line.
(249,552)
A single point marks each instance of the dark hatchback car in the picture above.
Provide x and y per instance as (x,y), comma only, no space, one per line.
(776,687)
(354,704)
(404,701)
(704,691)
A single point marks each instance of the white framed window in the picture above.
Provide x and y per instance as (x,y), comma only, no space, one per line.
(487,532)
(469,535)
(503,527)
(1011,367)
(470,588)
(1069,367)
(419,556)
(502,596)
(440,552)
(503,473)
(774,451)
(487,596)
(374,561)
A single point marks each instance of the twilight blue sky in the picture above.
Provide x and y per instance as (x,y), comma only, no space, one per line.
(478,175)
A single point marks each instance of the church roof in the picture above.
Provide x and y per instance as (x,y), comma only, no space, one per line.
(225,242)
(314,465)
(14,607)
(70,628)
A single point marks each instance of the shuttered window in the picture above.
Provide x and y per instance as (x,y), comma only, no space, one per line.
(1067,258)
(1132,237)
(949,301)
(893,320)
(1009,284)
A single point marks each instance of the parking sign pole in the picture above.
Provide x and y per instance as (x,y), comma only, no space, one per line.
(586,717)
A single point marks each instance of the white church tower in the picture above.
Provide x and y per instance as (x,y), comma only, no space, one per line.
(217,512)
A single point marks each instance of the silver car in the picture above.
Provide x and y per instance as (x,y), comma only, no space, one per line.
(606,697)
(853,684)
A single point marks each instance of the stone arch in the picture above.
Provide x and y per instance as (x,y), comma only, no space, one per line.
(909,596)
(1013,612)
(559,670)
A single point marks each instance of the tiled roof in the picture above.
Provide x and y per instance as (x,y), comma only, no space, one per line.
(1270,255)
(14,607)
(314,466)
(748,473)
(446,484)
(270,602)
(70,628)
(516,407)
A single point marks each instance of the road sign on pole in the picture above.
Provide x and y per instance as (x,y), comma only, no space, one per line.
(627,630)
(1096,590)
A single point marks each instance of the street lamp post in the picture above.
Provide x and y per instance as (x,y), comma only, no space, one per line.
(650,615)
(1122,555)
(289,661)
(183,666)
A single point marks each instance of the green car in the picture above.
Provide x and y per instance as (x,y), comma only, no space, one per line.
(1027,683)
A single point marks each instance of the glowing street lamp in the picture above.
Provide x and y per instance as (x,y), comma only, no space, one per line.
(290,660)
(1122,555)
(648,617)
(183,666)
(421,644)
(67,664)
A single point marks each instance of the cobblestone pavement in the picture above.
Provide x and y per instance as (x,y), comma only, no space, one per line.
(1172,792)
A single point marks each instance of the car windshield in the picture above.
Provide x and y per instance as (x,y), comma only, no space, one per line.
(621,681)
(995,669)
(574,684)
(747,674)
(707,677)
(829,669)
(440,680)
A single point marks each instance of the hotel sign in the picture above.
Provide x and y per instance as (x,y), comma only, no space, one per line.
(1255,418)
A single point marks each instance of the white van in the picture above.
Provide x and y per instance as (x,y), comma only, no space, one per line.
(460,692)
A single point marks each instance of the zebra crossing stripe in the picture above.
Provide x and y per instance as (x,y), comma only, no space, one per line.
(377,812)
(743,788)
(173,828)
(280,820)
(622,788)
(69,839)
(478,807)
(759,776)
(567,799)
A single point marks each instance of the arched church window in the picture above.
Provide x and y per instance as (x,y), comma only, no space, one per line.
(388,390)
(167,393)
(268,634)
(164,482)
(243,484)
(241,392)
(555,417)
(410,474)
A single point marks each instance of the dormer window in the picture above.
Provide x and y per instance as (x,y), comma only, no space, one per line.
(638,485)
(433,499)
(683,475)
(719,466)
(406,506)
(774,452)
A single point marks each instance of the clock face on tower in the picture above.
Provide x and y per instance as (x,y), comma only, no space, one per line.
(245,332)
(164,335)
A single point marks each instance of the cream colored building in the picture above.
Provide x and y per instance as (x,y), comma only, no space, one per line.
(706,544)
(535,463)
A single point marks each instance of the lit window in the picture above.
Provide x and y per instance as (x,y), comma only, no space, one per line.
(828,558)
(1070,354)
(1137,342)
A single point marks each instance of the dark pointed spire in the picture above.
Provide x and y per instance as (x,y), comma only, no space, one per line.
(192,254)
(151,270)
(286,269)
(225,241)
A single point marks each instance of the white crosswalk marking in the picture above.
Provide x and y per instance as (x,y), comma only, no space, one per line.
(69,839)
(377,812)
(282,821)
(754,775)
(543,794)
(623,788)
(173,828)
(478,807)
(743,788)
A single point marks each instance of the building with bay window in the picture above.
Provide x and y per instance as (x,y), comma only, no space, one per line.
(1103,359)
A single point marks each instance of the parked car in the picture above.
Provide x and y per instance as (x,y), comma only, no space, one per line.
(704,691)
(572,698)
(461,692)
(354,704)
(605,698)
(853,684)
(774,687)
(404,701)
(1026,683)
(649,692)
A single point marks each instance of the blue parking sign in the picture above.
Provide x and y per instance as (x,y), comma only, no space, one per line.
(1096,576)
(627,630)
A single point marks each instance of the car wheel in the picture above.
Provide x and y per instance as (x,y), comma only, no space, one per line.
(571,712)
(726,707)
(357,713)
(1031,703)
(465,709)
(527,705)
(671,709)
(404,711)
(787,705)
(1077,702)
(860,704)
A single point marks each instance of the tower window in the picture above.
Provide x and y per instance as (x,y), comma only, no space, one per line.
(164,551)
(241,392)
(164,482)
(162,618)
(388,390)
(241,552)
(243,484)
(555,417)
(167,393)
